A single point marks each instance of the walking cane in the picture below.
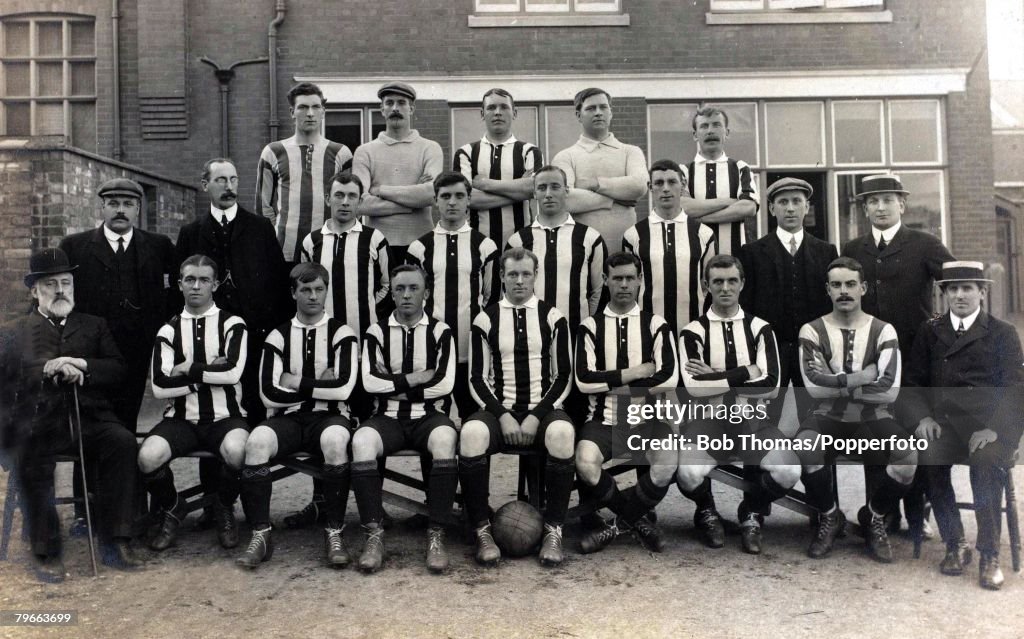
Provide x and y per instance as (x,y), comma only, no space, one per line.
(76,432)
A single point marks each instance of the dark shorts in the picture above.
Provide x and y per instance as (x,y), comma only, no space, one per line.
(879,429)
(186,437)
(721,439)
(300,432)
(497,441)
(412,433)
(613,441)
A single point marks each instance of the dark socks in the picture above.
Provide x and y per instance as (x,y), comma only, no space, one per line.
(701,496)
(366,484)
(475,477)
(334,490)
(887,495)
(642,498)
(256,490)
(819,489)
(559,474)
(160,484)
(441,487)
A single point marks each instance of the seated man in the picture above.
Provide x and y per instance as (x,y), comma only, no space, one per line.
(42,356)
(309,367)
(731,361)
(623,348)
(850,362)
(409,363)
(967,348)
(197,364)
(520,369)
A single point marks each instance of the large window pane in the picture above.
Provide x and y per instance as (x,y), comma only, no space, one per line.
(50,38)
(50,79)
(16,79)
(83,125)
(795,133)
(16,39)
(497,5)
(345,127)
(468,127)
(858,131)
(671,132)
(19,119)
(852,221)
(548,5)
(83,78)
(82,39)
(597,5)
(49,118)
(742,142)
(915,130)
(563,129)
(924,204)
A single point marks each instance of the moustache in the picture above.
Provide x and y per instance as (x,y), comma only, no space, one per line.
(845,299)
(121,216)
(396,116)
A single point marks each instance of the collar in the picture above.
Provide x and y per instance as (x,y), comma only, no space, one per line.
(424,320)
(213,310)
(112,237)
(968,321)
(715,317)
(784,236)
(700,159)
(323,322)
(589,145)
(413,136)
(294,141)
(510,140)
(229,213)
(633,312)
(568,222)
(48,319)
(440,230)
(657,219)
(327,230)
(530,303)
(887,233)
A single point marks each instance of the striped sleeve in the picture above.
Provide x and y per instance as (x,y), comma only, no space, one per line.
(561,365)
(463,161)
(596,279)
(666,361)
(346,367)
(306,251)
(589,379)
(886,386)
(766,359)
(382,268)
(234,343)
(164,385)
(692,345)
(819,385)
(376,377)
(266,183)
(443,381)
(271,368)
(490,280)
(747,188)
(481,380)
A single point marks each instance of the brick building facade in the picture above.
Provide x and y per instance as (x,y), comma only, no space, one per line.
(826,92)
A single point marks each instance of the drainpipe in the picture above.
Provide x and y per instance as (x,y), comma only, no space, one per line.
(115,20)
(224,77)
(272,54)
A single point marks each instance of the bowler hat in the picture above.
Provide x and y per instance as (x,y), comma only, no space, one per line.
(47,262)
(789,184)
(401,88)
(872,184)
(120,186)
(962,272)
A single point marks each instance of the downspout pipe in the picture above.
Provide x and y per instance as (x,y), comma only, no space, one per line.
(280,10)
(115,21)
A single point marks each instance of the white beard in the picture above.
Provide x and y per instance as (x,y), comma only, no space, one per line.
(60,308)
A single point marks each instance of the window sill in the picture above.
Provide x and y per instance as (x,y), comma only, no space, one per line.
(797,17)
(520,20)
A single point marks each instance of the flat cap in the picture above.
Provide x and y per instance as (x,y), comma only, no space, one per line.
(120,186)
(789,184)
(401,88)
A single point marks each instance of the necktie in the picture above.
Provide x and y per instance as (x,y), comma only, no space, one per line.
(120,246)
(960,331)
(792,246)
(882,244)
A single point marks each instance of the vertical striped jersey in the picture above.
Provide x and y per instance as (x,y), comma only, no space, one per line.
(609,343)
(324,355)
(724,177)
(729,345)
(463,266)
(510,160)
(292,181)
(848,350)
(672,253)
(391,351)
(210,390)
(519,358)
(569,276)
(357,260)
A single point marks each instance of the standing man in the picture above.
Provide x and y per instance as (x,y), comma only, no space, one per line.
(623,347)
(409,364)
(785,282)
(900,265)
(967,348)
(606,176)
(520,371)
(124,276)
(43,356)
(850,361)
(398,169)
(500,168)
(672,248)
(461,264)
(294,174)
(723,191)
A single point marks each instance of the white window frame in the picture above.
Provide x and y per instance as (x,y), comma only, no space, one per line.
(882,132)
(939,146)
(943,197)
(787,5)
(483,129)
(568,8)
(822,157)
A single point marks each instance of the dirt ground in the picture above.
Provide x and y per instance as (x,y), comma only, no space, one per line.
(195,590)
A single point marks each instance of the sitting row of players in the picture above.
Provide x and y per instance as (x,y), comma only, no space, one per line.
(520,374)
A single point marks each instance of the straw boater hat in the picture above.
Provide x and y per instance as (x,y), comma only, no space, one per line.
(962,272)
(885,183)
(47,262)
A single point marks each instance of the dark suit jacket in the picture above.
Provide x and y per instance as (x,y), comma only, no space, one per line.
(32,406)
(157,278)
(900,279)
(261,293)
(982,364)
(763,270)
